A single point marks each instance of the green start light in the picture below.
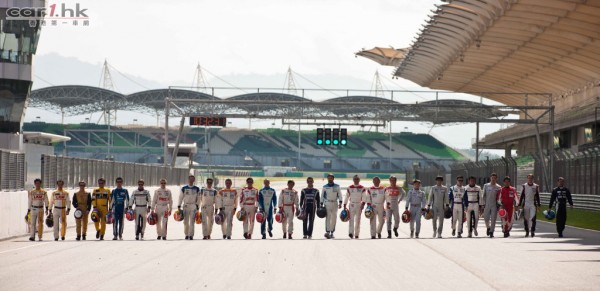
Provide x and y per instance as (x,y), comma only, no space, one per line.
(328,142)
(320,142)
(344,142)
(336,142)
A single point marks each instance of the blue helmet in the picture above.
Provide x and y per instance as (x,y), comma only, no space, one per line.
(549,214)
(344,215)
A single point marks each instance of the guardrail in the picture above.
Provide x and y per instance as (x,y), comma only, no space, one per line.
(580,201)
(12,170)
(72,170)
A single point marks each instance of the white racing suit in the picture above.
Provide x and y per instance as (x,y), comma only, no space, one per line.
(490,209)
(249,202)
(162,205)
(142,201)
(456,200)
(207,208)
(332,197)
(190,197)
(393,196)
(438,199)
(354,195)
(37,200)
(472,198)
(415,202)
(530,201)
(227,202)
(376,199)
(60,205)
(289,202)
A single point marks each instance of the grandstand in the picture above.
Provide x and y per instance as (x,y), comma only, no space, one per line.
(366,151)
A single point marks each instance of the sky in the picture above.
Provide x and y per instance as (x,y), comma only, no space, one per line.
(162,41)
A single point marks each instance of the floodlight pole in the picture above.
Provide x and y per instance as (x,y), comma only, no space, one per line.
(477,142)
(166,138)
(551,144)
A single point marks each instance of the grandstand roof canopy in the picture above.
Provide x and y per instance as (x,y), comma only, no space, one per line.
(544,46)
(387,56)
(76,100)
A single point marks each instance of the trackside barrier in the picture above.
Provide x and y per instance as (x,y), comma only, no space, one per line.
(72,170)
(580,201)
(12,170)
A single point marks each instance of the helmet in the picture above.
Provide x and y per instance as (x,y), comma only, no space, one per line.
(321,212)
(429,214)
(49,220)
(110,217)
(344,215)
(130,215)
(198,217)
(241,215)
(447,212)
(219,218)
(78,214)
(301,214)
(369,212)
(260,217)
(279,217)
(549,214)
(502,213)
(406,216)
(178,215)
(152,218)
(95,215)
(28,218)
(464,216)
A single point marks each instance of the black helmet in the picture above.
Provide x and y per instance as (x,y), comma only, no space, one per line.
(49,220)
(447,212)
(321,212)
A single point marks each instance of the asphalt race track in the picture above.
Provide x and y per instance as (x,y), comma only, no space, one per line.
(516,263)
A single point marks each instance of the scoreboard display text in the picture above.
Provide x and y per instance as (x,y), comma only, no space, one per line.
(208,121)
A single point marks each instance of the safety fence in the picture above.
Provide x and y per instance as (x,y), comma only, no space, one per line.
(581,170)
(72,170)
(12,170)
(481,170)
(580,201)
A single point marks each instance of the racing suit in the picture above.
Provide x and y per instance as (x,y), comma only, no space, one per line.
(142,201)
(60,205)
(376,199)
(190,197)
(267,201)
(561,195)
(530,201)
(456,200)
(438,199)
(490,209)
(249,202)
(354,194)
(507,199)
(331,194)
(309,200)
(83,202)
(393,196)
(227,202)
(415,203)
(208,196)
(289,202)
(37,200)
(162,205)
(119,201)
(471,200)
(101,200)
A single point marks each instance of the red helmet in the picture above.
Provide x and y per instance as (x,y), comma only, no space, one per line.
(279,217)
(130,215)
(152,218)
(178,215)
(95,215)
(260,217)
(502,213)
(198,217)
(300,214)
(406,216)
(241,215)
